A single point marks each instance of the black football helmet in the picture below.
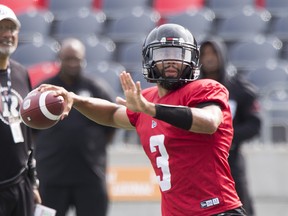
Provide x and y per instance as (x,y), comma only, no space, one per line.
(170,42)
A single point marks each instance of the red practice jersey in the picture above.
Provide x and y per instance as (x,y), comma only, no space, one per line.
(192,168)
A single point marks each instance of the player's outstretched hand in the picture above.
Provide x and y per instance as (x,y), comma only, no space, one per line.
(60,91)
(132,91)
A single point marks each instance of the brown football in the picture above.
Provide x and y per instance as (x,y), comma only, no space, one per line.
(41,110)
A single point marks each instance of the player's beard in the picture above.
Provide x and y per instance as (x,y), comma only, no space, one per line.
(171,83)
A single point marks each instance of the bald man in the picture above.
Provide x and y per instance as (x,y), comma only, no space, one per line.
(72,155)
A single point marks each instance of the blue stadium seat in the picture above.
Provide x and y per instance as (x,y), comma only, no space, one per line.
(277,8)
(109,71)
(82,22)
(243,24)
(268,75)
(35,22)
(98,48)
(226,8)
(279,28)
(248,54)
(116,9)
(130,55)
(132,26)
(62,8)
(36,52)
(199,22)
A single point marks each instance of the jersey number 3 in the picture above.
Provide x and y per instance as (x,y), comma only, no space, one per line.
(161,161)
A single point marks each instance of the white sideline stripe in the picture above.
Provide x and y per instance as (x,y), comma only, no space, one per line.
(44,109)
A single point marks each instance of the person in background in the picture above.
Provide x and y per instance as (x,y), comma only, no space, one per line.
(18,181)
(184,124)
(72,155)
(243,100)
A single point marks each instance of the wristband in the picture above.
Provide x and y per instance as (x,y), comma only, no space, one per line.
(177,116)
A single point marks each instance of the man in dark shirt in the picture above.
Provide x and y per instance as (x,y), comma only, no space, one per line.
(71,156)
(17,166)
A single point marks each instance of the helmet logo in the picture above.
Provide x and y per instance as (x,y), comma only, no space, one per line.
(171,39)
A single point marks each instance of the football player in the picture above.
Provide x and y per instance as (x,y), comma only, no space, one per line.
(184,124)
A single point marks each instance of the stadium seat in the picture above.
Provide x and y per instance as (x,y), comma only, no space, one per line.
(274,113)
(243,24)
(82,22)
(132,26)
(248,54)
(260,3)
(35,23)
(42,4)
(62,8)
(265,76)
(130,55)
(116,9)
(279,28)
(99,48)
(109,71)
(97,4)
(226,8)
(199,22)
(277,8)
(36,52)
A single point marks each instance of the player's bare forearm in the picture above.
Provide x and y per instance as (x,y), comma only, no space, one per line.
(102,111)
